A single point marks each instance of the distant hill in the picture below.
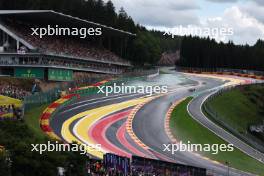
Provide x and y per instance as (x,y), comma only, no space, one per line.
(169,58)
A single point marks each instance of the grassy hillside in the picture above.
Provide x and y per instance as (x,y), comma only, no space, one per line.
(186,129)
(240,107)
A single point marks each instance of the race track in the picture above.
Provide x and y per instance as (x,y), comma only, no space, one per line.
(103,120)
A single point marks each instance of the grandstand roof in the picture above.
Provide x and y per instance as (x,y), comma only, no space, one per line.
(58,18)
(16,37)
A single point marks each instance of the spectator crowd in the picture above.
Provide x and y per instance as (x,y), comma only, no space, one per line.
(13,91)
(10,110)
(64,46)
(15,112)
(113,165)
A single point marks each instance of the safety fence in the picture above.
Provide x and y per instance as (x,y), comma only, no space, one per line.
(50,96)
(217,118)
(79,87)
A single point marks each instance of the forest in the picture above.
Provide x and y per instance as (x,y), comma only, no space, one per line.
(207,53)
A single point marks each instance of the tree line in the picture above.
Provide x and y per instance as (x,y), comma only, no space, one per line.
(207,53)
(146,47)
(19,160)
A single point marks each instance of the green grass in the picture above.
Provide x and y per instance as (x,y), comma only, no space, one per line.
(186,129)
(32,120)
(239,107)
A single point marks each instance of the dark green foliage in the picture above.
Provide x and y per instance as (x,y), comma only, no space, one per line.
(4,164)
(256,95)
(146,46)
(207,53)
(17,138)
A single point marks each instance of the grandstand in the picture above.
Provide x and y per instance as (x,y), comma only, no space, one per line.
(58,58)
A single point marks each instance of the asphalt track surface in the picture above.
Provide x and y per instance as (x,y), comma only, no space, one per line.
(102,120)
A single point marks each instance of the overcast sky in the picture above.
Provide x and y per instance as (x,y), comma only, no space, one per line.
(245,17)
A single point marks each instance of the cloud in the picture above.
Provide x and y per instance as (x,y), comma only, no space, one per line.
(245,17)
(259,2)
(161,13)
(223,1)
(254,10)
(247,29)
(181,5)
(168,18)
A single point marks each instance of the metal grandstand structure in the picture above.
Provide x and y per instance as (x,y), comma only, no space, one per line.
(16,51)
